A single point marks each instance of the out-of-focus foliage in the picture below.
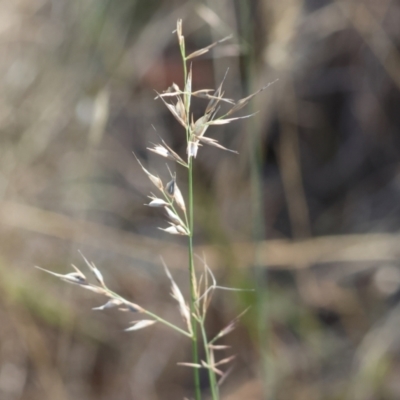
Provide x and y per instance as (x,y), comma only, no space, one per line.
(316,184)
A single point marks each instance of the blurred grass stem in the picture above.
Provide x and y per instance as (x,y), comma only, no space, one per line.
(263,297)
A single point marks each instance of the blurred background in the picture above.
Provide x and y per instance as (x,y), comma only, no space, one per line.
(308,214)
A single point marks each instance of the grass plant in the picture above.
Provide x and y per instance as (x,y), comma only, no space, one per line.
(180,215)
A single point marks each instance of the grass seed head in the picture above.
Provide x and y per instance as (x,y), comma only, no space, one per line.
(181,39)
(173,217)
(154,179)
(110,304)
(175,230)
(144,323)
(170,187)
(156,202)
(179,199)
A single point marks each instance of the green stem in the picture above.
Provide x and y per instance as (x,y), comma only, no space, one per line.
(211,373)
(195,351)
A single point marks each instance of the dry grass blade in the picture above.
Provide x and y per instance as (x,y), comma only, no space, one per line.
(206,49)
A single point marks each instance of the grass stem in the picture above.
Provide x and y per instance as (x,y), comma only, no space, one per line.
(211,373)
(195,351)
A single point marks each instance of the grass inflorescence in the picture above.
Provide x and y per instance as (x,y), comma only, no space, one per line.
(179,213)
